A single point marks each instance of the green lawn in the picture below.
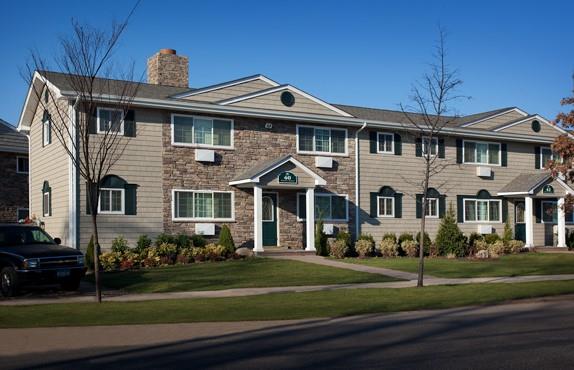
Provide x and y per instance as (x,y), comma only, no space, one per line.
(332,303)
(250,273)
(511,265)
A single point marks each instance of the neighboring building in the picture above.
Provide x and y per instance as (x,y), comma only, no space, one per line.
(260,156)
(13,174)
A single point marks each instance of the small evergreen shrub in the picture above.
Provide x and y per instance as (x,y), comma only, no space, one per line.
(480,245)
(368,237)
(497,248)
(364,248)
(388,248)
(405,236)
(164,238)
(345,236)
(410,248)
(390,236)
(507,235)
(515,246)
(143,242)
(89,257)
(182,241)
(120,245)
(449,238)
(426,242)
(198,240)
(491,238)
(338,248)
(215,252)
(473,237)
(226,240)
(320,240)
(570,239)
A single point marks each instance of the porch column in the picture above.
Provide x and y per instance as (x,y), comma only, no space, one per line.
(561,224)
(257,219)
(310,219)
(528,220)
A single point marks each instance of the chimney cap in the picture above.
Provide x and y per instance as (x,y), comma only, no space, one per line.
(168,51)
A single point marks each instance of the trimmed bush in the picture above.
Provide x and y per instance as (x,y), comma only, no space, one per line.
(89,257)
(473,237)
(167,253)
(120,245)
(226,240)
(404,237)
(338,248)
(368,237)
(215,252)
(491,238)
(388,248)
(449,238)
(198,241)
(320,239)
(390,236)
(515,246)
(364,248)
(182,241)
(345,236)
(143,242)
(164,238)
(110,261)
(508,234)
(497,248)
(480,245)
(426,242)
(410,248)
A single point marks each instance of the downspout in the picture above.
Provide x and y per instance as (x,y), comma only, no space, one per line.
(72,181)
(357,185)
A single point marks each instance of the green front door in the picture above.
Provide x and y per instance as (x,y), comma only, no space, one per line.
(269,219)
(519,225)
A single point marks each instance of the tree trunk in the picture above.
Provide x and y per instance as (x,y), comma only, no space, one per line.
(97,258)
(420,279)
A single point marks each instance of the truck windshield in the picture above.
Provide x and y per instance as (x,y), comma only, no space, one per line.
(13,236)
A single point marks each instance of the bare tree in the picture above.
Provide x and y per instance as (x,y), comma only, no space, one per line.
(85,66)
(427,115)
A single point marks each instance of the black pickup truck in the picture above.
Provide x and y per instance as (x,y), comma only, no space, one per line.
(30,257)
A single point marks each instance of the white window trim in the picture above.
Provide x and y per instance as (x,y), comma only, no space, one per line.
(99,109)
(346,196)
(542,212)
(46,210)
(122,211)
(196,219)
(487,153)
(315,152)
(476,211)
(21,209)
(541,159)
(430,152)
(47,127)
(379,134)
(207,146)
(436,200)
(379,215)
(18,165)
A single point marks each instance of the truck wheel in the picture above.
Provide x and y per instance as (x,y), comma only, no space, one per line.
(8,282)
(71,285)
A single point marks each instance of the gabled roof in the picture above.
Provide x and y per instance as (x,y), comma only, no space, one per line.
(11,140)
(387,115)
(528,118)
(525,183)
(225,85)
(480,117)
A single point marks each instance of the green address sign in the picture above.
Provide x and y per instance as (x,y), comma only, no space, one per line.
(287,178)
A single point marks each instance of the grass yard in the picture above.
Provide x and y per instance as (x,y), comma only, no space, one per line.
(334,303)
(511,265)
(250,273)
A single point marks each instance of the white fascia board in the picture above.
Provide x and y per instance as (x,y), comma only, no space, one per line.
(31,102)
(517,110)
(535,117)
(318,179)
(566,187)
(513,193)
(225,85)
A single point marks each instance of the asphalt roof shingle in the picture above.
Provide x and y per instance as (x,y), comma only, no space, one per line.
(525,182)
(11,140)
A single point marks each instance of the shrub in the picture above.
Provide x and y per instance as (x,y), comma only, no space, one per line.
(497,248)
(226,240)
(507,235)
(346,237)
(89,258)
(164,238)
(120,245)
(198,240)
(515,246)
(491,238)
(480,245)
(198,254)
(338,248)
(168,250)
(449,238)
(368,237)
(364,247)
(426,242)
(150,257)
(410,248)
(320,239)
(390,236)
(182,241)
(184,257)
(388,248)
(404,237)
(110,261)
(143,242)
(215,252)
(473,237)
(570,240)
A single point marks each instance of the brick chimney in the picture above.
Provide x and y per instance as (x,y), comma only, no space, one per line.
(167,68)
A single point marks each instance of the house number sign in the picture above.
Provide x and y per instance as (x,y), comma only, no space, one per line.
(287,178)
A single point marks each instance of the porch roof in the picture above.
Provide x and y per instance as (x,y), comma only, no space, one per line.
(525,183)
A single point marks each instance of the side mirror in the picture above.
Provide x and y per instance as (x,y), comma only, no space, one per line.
(58,241)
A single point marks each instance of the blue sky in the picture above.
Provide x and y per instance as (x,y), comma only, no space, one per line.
(367,53)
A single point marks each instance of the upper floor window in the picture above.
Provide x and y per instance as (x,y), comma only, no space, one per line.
(482,210)
(386,143)
(429,146)
(432,208)
(46,129)
(46,199)
(321,140)
(110,120)
(111,201)
(476,152)
(546,155)
(22,165)
(198,205)
(202,131)
(328,207)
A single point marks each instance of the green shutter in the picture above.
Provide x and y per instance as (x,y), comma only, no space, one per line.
(50,202)
(398,205)
(419,147)
(459,208)
(441,148)
(302,209)
(537,157)
(398,145)
(503,155)
(441,206)
(131,199)
(419,205)
(459,152)
(372,141)
(374,205)
(538,210)
(504,210)
(130,124)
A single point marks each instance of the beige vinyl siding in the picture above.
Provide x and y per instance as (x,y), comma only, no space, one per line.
(231,92)
(50,163)
(273,102)
(403,172)
(525,128)
(498,120)
(140,164)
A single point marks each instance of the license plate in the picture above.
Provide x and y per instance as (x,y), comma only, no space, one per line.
(62,273)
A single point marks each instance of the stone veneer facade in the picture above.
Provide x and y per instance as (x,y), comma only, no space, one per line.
(253,143)
(168,68)
(13,188)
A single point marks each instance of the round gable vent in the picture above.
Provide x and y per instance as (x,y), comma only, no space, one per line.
(287,99)
(535,126)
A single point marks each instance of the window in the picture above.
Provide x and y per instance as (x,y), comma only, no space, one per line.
(430,146)
(202,131)
(111,201)
(482,210)
(192,205)
(46,131)
(386,143)
(321,140)
(519,213)
(46,195)
(476,152)
(22,214)
(386,207)
(268,210)
(549,212)
(22,165)
(328,207)
(432,208)
(110,120)
(546,155)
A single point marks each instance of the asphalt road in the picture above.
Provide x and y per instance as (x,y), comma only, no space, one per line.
(537,334)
